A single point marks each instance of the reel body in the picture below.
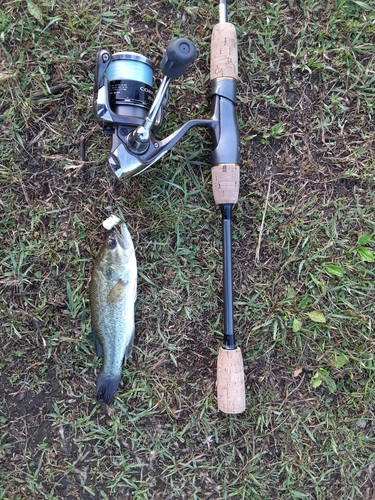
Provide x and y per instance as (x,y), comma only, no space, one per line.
(124,95)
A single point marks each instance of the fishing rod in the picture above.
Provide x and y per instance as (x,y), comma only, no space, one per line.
(225,186)
(131,112)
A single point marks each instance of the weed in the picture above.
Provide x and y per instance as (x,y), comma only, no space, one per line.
(303,311)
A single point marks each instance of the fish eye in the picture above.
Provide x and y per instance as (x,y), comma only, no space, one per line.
(112,244)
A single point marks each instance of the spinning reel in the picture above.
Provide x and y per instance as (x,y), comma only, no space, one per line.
(126,105)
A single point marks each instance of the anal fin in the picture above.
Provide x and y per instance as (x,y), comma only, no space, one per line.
(129,347)
(98,345)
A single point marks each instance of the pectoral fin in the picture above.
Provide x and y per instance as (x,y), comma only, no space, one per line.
(117,292)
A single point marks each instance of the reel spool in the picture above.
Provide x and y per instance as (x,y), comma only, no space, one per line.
(129,77)
(123,89)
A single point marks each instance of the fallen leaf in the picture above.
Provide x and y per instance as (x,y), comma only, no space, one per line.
(364,239)
(21,395)
(366,254)
(298,371)
(316,380)
(316,316)
(297,324)
(341,360)
(334,270)
(34,10)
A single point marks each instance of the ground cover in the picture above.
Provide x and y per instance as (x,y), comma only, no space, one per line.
(303,251)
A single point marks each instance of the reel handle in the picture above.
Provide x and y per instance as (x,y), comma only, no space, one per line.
(180,53)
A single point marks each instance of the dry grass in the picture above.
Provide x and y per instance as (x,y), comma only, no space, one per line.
(304,314)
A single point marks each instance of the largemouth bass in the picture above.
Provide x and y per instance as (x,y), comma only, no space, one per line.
(113,291)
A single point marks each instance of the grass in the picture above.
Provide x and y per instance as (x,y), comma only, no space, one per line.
(303,312)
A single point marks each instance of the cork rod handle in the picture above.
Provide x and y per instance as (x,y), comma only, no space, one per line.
(224,55)
(225,183)
(230,381)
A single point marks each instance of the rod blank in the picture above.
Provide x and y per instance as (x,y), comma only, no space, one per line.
(223,16)
(229,341)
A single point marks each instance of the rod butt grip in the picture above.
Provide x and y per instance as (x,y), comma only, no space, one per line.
(230,381)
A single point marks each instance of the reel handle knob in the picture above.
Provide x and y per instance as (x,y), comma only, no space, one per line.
(180,53)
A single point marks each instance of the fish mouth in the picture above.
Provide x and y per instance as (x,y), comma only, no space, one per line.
(122,236)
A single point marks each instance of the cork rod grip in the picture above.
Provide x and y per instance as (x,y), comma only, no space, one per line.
(225,183)
(224,56)
(230,381)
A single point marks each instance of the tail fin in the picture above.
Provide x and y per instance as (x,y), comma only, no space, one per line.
(106,387)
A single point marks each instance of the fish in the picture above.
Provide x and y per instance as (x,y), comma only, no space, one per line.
(112,293)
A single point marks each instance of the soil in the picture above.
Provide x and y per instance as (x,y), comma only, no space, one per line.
(311,168)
